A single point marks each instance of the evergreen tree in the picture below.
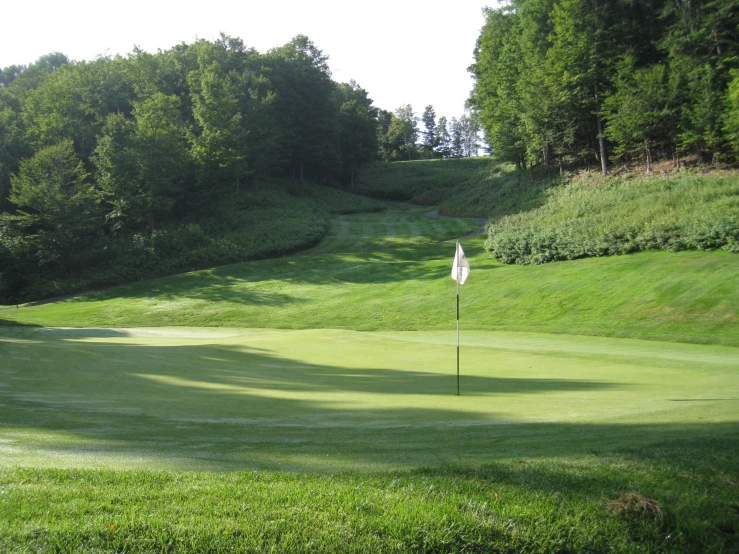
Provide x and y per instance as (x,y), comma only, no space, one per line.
(457,143)
(444,139)
(56,207)
(430,139)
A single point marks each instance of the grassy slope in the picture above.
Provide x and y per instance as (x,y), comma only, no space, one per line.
(392,277)
(265,220)
(586,420)
(468,187)
(606,216)
(426,182)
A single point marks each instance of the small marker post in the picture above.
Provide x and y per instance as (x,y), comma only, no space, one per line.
(460,272)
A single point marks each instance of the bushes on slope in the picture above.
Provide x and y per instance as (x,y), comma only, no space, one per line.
(613,216)
(260,223)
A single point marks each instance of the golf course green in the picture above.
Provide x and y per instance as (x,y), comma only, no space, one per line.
(194,398)
(325,382)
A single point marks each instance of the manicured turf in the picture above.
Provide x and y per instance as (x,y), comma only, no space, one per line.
(177,417)
(343,400)
(390,271)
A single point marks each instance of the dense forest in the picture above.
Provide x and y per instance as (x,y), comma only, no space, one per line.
(110,169)
(582,82)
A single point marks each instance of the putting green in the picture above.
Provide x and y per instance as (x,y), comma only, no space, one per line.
(214,398)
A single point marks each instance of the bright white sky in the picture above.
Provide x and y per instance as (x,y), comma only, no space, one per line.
(402,52)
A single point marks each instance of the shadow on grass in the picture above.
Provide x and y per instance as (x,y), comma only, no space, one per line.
(351,259)
(224,284)
(10,323)
(231,407)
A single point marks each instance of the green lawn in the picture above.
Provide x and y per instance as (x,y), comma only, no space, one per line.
(344,400)
(390,271)
(308,403)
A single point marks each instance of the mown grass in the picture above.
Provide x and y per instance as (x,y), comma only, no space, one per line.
(390,271)
(328,400)
(357,442)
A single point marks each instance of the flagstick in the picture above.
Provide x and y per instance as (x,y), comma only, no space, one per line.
(458,272)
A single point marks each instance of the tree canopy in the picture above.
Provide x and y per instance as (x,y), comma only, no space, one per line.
(579,81)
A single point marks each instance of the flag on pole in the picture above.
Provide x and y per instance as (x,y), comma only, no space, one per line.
(461,267)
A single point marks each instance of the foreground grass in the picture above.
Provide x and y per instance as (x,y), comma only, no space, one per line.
(557,444)
(672,497)
(389,271)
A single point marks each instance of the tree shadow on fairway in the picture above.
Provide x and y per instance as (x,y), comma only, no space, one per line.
(348,259)
(227,283)
(231,407)
(10,323)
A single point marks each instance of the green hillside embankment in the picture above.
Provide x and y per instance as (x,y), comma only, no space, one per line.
(390,271)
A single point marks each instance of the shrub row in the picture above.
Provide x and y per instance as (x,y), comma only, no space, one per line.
(614,216)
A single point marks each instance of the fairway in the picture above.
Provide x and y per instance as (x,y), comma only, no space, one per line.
(225,399)
(308,403)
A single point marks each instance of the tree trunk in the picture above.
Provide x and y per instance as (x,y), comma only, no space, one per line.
(301,171)
(601,139)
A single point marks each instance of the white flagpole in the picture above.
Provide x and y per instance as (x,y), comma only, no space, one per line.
(459,272)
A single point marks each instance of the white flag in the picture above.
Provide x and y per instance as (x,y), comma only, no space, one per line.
(461,267)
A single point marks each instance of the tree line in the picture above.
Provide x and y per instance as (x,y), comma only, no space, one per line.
(563,82)
(400,137)
(101,160)
(95,152)
(158,132)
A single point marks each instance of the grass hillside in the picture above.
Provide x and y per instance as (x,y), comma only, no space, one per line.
(601,217)
(465,187)
(265,220)
(426,182)
(391,269)
(536,218)
(307,403)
